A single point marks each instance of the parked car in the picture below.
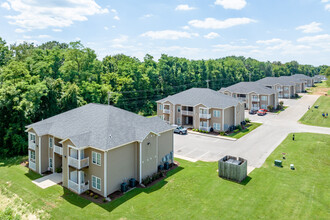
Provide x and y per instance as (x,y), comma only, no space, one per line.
(262,112)
(180,130)
(252,112)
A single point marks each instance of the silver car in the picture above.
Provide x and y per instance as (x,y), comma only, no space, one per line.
(180,130)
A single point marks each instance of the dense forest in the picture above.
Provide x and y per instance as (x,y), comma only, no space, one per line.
(39,81)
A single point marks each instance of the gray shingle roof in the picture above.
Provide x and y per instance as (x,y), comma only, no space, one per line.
(100,126)
(248,87)
(207,97)
(300,76)
(270,81)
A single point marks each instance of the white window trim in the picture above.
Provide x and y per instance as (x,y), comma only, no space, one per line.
(215,127)
(216,116)
(32,159)
(51,138)
(50,159)
(96,183)
(96,153)
(161,107)
(32,134)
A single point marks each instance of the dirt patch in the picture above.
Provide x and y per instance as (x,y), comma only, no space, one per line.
(25,163)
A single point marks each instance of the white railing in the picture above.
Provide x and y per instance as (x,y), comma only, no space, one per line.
(32,145)
(206,116)
(32,165)
(204,128)
(255,99)
(78,163)
(280,89)
(184,112)
(166,111)
(242,98)
(58,149)
(75,187)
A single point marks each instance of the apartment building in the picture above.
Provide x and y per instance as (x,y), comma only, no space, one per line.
(99,146)
(253,95)
(300,85)
(201,108)
(309,81)
(283,87)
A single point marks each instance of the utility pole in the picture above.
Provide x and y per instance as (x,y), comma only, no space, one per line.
(207,81)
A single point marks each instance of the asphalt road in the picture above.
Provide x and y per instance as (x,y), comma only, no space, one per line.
(255,146)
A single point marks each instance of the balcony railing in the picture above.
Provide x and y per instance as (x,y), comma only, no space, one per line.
(242,98)
(58,150)
(279,89)
(166,111)
(75,186)
(204,128)
(185,112)
(79,164)
(205,116)
(32,145)
(255,99)
(32,165)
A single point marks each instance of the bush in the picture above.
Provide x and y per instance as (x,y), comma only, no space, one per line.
(222,133)
(247,120)
(236,130)
(146,180)
(239,127)
(91,194)
(8,213)
(96,197)
(270,108)
(58,170)
(104,200)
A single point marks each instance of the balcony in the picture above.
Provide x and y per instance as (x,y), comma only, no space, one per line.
(205,116)
(185,112)
(58,150)
(279,89)
(78,188)
(32,165)
(166,111)
(242,99)
(204,128)
(255,99)
(79,164)
(32,145)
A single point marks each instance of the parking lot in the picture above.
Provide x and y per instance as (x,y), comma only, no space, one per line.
(255,146)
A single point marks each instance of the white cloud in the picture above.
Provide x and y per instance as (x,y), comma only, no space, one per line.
(116,17)
(121,39)
(271,41)
(313,27)
(325,1)
(19,30)
(147,16)
(113,26)
(169,34)
(213,23)
(44,36)
(316,38)
(114,11)
(106,28)
(39,14)
(327,7)
(5,5)
(231,4)
(230,47)
(184,8)
(211,35)
(186,27)
(57,30)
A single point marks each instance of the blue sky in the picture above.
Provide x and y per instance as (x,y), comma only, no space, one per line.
(277,30)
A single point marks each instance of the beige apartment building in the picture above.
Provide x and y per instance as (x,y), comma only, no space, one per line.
(283,87)
(201,108)
(99,146)
(254,96)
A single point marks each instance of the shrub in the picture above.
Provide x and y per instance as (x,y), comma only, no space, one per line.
(247,120)
(146,180)
(270,107)
(96,197)
(87,192)
(91,194)
(58,170)
(239,127)
(222,133)
(236,130)
(207,132)
(104,200)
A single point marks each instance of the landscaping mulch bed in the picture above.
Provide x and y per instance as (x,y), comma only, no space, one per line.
(93,197)
(25,163)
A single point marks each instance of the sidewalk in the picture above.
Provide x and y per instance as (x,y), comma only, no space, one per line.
(213,136)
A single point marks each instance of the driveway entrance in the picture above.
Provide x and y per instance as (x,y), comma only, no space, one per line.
(49,180)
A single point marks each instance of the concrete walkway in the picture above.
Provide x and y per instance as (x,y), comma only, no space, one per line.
(258,144)
(48,181)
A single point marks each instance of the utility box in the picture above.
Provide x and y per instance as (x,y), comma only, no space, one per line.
(278,163)
(233,168)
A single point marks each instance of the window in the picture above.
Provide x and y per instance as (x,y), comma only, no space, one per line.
(96,183)
(179,109)
(162,117)
(216,113)
(50,162)
(96,158)
(264,98)
(160,107)
(33,138)
(286,88)
(216,126)
(51,142)
(32,156)
(264,106)
(179,120)
(234,95)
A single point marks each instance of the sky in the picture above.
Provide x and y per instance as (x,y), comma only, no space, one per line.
(274,30)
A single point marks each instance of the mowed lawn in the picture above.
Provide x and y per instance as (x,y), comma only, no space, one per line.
(314,115)
(244,132)
(194,191)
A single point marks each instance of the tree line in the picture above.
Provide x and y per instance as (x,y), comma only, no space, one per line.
(39,81)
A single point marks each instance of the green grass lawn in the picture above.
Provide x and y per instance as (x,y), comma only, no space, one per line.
(278,111)
(314,116)
(240,134)
(194,191)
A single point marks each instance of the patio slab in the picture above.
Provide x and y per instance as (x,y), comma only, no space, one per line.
(48,181)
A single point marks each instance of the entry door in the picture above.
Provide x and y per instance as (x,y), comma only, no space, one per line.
(187,120)
(74,176)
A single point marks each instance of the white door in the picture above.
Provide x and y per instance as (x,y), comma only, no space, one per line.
(74,153)
(74,176)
